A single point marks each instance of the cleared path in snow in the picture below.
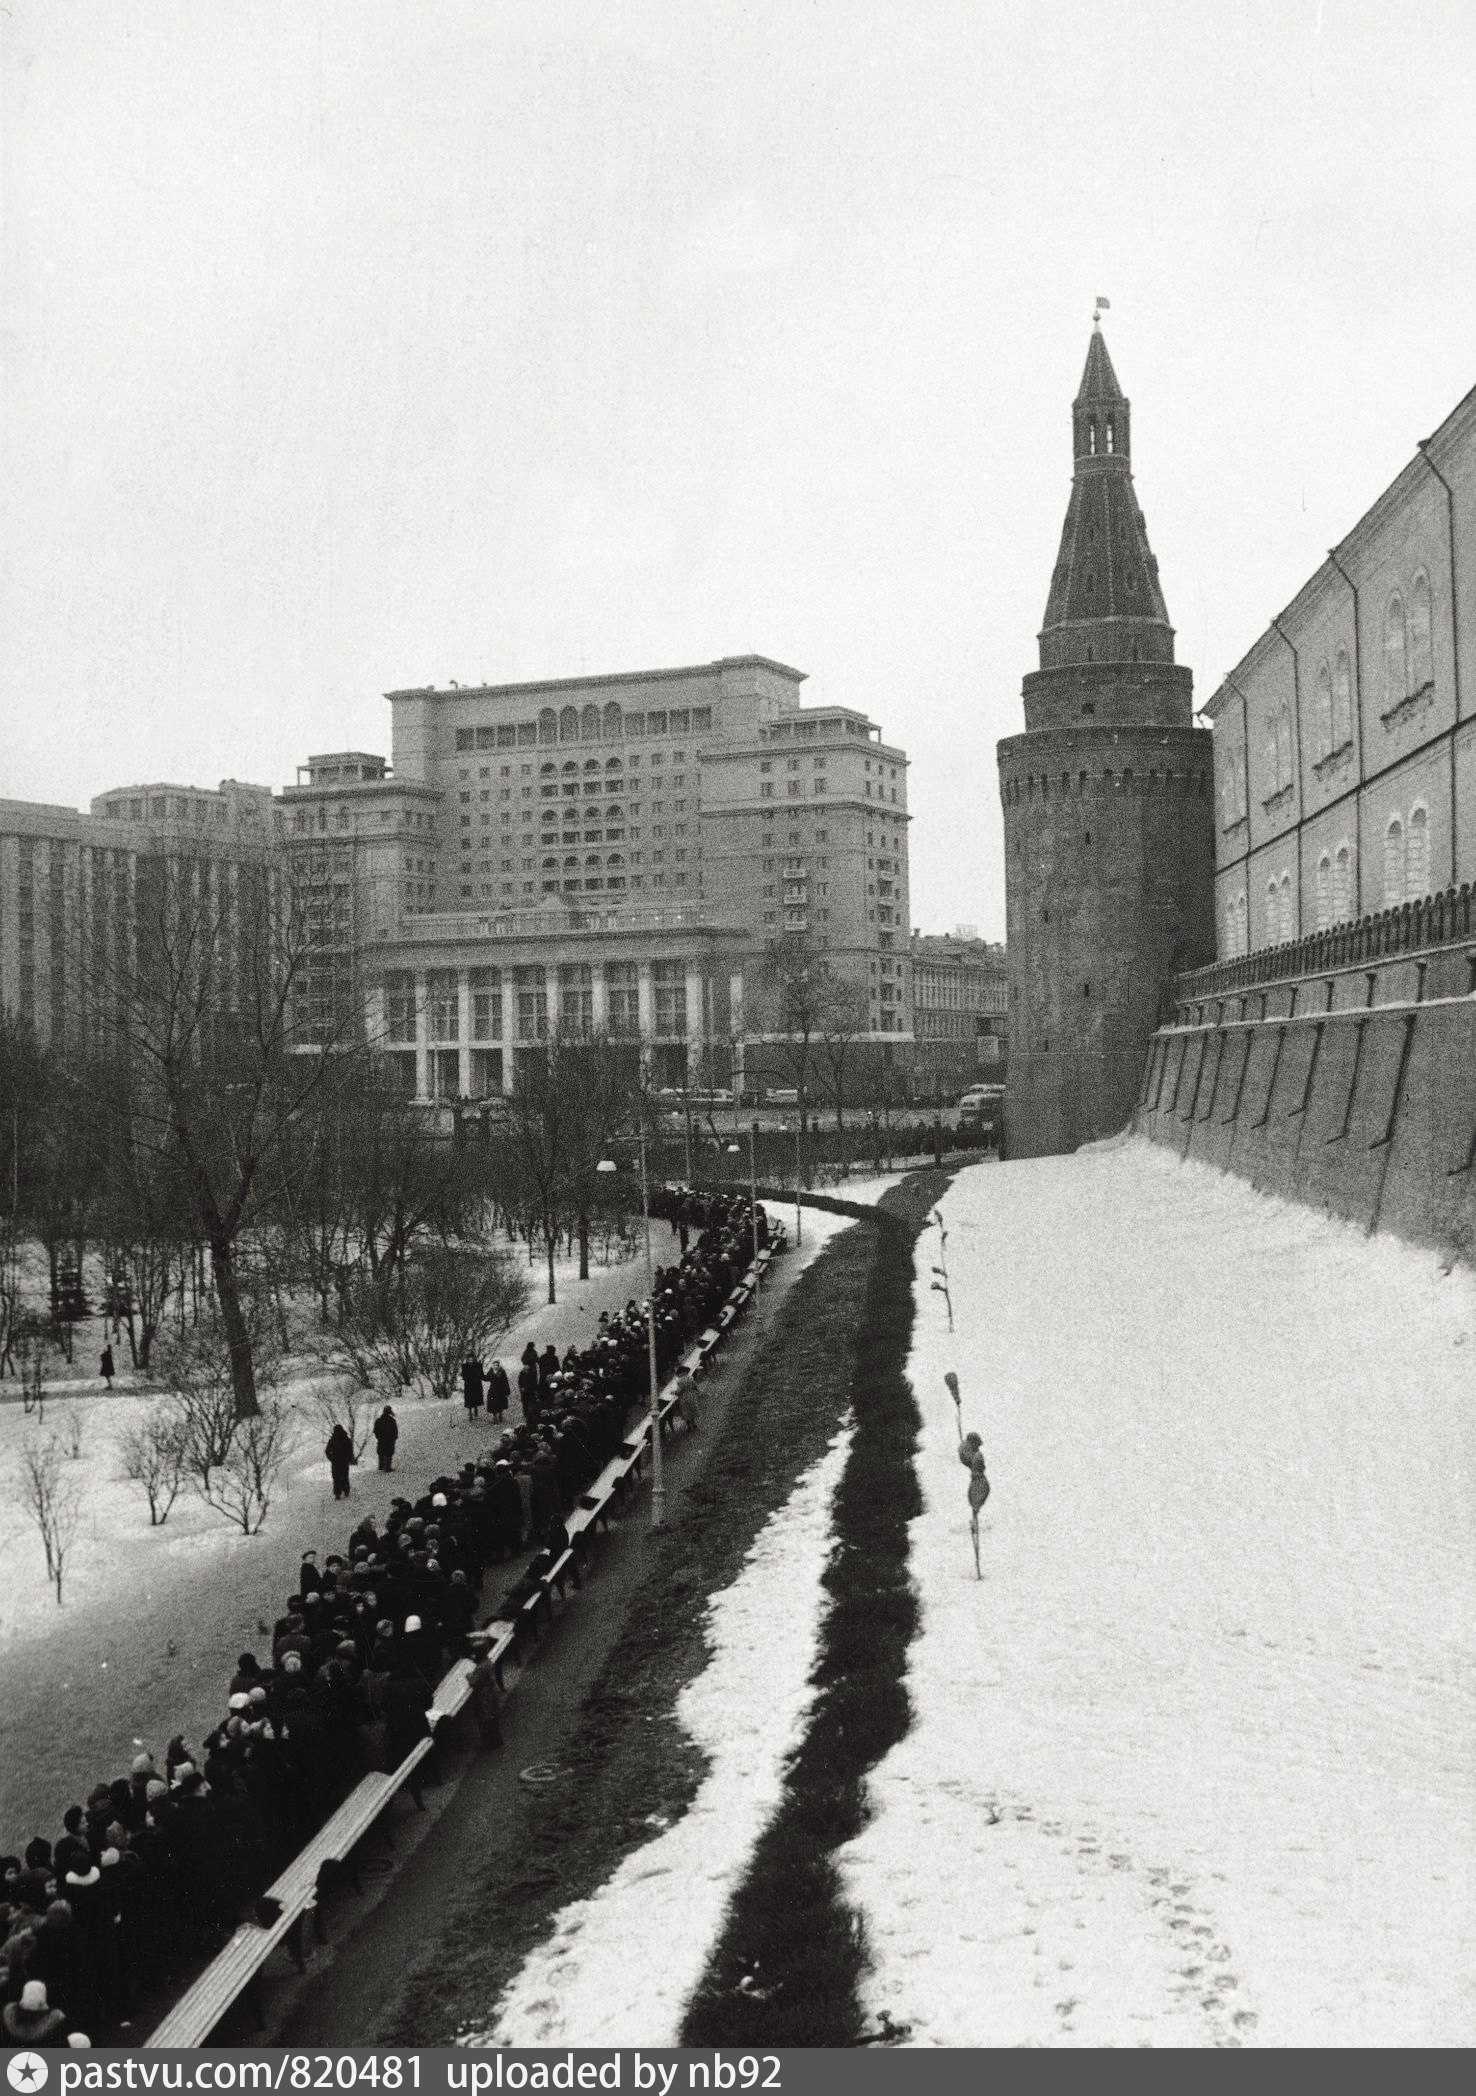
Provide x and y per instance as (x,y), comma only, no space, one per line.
(1195,1763)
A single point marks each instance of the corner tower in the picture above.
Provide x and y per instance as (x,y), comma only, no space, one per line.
(1108,808)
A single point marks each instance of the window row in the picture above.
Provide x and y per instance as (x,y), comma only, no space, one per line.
(591,723)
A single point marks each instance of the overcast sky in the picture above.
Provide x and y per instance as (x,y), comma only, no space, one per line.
(352,345)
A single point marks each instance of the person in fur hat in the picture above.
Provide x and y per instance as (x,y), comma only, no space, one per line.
(32,2023)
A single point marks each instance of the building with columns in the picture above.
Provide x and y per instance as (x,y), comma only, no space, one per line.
(611,854)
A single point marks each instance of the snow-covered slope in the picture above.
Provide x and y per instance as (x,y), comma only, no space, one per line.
(1195,1762)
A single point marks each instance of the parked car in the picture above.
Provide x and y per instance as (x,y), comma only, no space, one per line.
(784,1095)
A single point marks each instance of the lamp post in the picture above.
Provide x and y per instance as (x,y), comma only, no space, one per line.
(733,1151)
(658,1482)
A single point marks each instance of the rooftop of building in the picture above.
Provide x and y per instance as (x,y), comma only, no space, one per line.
(612,679)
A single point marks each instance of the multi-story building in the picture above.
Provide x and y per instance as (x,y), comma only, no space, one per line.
(960,1011)
(1345,746)
(615,854)
(72,887)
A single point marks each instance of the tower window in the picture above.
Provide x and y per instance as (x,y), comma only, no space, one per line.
(1092,436)
(1111,434)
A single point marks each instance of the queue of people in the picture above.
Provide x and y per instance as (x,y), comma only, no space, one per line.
(159,1865)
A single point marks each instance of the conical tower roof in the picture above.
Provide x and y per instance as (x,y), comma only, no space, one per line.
(1105,603)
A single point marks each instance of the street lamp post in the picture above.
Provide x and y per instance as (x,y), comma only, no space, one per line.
(658,1482)
(734,1151)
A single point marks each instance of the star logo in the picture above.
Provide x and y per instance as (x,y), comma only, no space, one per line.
(26,2071)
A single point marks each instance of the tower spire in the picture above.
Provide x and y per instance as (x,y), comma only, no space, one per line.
(1105,604)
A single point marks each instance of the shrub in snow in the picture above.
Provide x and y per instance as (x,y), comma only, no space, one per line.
(243,1485)
(153,1454)
(51,1501)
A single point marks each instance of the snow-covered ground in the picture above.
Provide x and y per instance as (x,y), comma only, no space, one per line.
(152,1619)
(1195,1762)
(659,1915)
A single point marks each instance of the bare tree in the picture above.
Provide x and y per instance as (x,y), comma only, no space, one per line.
(243,1485)
(449,1302)
(52,1502)
(534,1145)
(346,1401)
(195,1367)
(207,1021)
(74,1429)
(153,1457)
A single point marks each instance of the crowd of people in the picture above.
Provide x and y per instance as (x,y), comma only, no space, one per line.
(159,1865)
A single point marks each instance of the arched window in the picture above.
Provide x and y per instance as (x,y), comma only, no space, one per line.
(548,770)
(1417,868)
(615,764)
(1324,892)
(1273,758)
(1242,923)
(1325,742)
(1342,701)
(1394,864)
(591,766)
(616,859)
(614,722)
(1288,925)
(1092,436)
(1111,434)
(1284,745)
(1273,914)
(1396,668)
(548,725)
(1421,655)
(569,724)
(590,723)
(1343,884)
(570,768)
(613,812)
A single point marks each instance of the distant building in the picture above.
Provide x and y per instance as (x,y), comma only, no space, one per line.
(72,887)
(960,1012)
(1108,810)
(611,854)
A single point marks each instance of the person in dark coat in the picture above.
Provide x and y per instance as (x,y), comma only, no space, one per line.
(340,1453)
(105,1367)
(471,1387)
(499,1391)
(528,1390)
(386,1434)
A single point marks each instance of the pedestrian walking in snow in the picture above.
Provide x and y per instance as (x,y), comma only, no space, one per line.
(386,1434)
(471,1387)
(340,1453)
(106,1369)
(499,1390)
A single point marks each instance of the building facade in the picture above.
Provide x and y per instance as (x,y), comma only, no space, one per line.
(1345,748)
(960,1013)
(72,887)
(1108,810)
(606,854)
